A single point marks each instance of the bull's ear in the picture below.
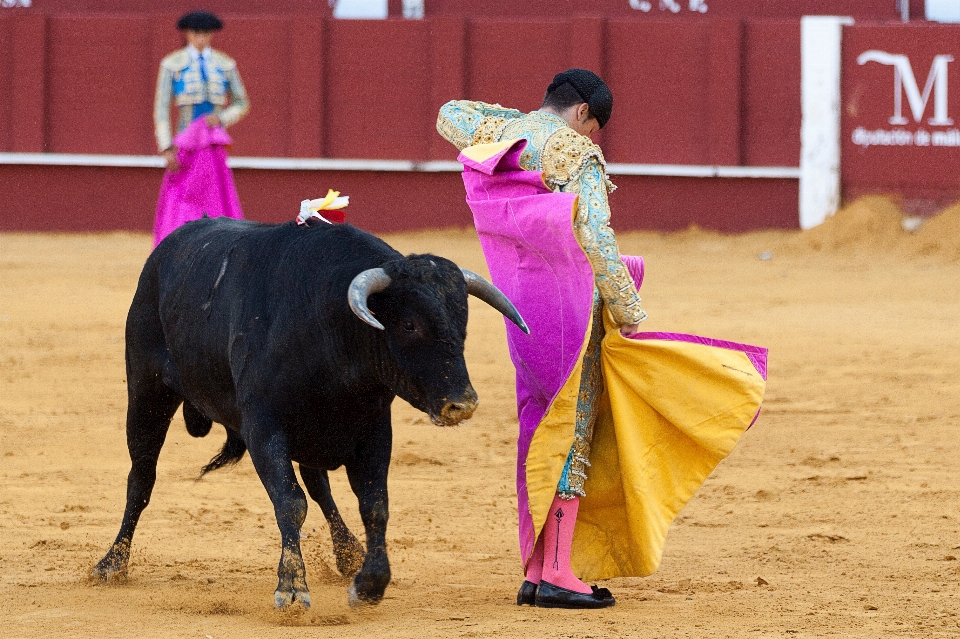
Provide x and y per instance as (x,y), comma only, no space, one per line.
(484,290)
(370,281)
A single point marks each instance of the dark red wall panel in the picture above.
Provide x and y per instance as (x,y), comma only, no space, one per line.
(512,63)
(659,73)
(28,39)
(223,8)
(380,201)
(916,156)
(725,63)
(771,93)
(704,92)
(860,9)
(378,89)
(730,205)
(262,47)
(106,199)
(307,98)
(6,80)
(448,68)
(98,97)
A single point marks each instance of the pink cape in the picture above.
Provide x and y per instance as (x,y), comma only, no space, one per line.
(202,186)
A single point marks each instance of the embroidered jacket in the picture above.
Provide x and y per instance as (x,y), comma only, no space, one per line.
(181,80)
(571,163)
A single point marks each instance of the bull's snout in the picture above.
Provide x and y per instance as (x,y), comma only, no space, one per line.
(457,410)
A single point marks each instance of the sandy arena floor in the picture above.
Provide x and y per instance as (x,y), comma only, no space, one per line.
(838,515)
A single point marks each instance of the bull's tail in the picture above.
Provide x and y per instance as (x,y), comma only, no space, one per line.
(232,452)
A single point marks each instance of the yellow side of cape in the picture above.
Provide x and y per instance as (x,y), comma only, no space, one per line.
(551,444)
(670,412)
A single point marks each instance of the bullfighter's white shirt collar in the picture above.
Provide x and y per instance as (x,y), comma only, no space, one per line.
(195,53)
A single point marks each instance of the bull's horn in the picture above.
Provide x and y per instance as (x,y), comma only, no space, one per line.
(372,280)
(484,290)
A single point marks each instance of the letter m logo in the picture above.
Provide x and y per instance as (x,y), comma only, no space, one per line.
(905,82)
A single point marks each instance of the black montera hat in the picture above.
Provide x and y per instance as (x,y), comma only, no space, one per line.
(199,21)
(591,88)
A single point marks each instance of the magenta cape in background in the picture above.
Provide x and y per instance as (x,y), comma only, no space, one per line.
(673,405)
(202,186)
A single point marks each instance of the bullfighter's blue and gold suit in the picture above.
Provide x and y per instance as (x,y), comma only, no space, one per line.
(198,87)
(570,163)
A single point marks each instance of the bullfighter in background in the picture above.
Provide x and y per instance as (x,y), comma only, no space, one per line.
(649,415)
(205,86)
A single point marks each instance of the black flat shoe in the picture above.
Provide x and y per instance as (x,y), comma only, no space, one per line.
(550,596)
(528,594)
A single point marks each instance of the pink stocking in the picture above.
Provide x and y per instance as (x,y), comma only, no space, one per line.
(557,540)
(535,565)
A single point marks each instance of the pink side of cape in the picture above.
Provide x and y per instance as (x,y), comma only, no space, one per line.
(527,237)
(203,185)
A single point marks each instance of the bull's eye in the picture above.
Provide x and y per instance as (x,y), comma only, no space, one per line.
(409,326)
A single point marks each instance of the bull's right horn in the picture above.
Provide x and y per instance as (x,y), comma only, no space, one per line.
(484,290)
(370,281)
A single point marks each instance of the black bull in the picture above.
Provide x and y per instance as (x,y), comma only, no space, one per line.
(258,328)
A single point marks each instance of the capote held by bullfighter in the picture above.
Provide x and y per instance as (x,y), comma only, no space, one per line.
(296,339)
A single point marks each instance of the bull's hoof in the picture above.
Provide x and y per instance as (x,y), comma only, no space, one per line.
(109,570)
(291,599)
(369,596)
(350,558)
(354,600)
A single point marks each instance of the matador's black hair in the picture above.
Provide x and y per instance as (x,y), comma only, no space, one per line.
(199,21)
(576,86)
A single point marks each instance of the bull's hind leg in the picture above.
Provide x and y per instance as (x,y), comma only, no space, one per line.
(347,549)
(148,418)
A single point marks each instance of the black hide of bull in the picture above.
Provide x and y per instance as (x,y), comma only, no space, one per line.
(248,325)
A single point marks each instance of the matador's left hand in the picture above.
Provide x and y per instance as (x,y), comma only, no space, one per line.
(212,120)
(629,329)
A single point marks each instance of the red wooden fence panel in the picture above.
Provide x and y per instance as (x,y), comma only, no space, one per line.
(378,88)
(676,9)
(687,92)
(659,75)
(98,97)
(771,93)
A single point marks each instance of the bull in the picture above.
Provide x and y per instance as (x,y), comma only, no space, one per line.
(296,339)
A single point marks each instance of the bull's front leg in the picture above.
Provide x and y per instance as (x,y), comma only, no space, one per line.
(270,454)
(368,479)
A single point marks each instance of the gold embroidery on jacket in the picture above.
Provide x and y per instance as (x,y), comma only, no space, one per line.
(489,130)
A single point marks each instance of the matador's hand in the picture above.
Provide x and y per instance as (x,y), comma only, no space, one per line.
(170,155)
(629,329)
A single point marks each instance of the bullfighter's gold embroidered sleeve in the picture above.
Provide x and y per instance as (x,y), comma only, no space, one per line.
(576,165)
(465,122)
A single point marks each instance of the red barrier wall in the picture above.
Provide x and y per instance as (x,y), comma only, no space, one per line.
(699,91)
(65,198)
(917,155)
(696,92)
(779,9)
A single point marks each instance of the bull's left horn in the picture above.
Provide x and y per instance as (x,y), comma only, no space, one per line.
(370,281)
(484,290)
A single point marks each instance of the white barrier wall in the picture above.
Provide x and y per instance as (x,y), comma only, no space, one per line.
(820,64)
